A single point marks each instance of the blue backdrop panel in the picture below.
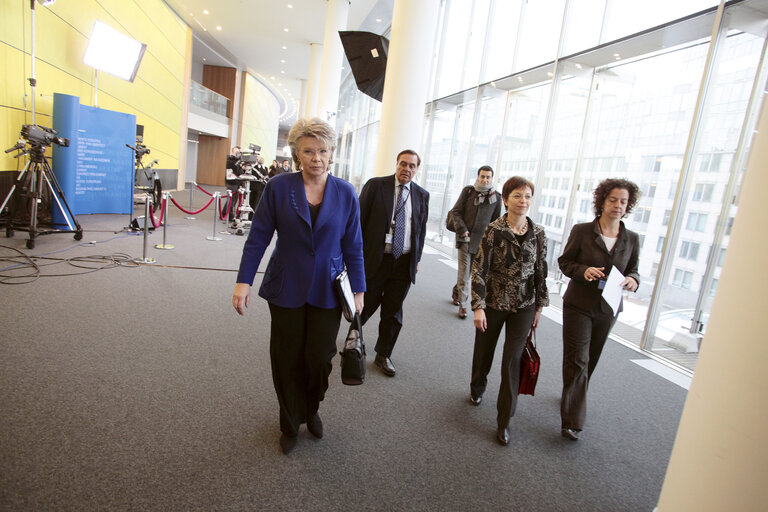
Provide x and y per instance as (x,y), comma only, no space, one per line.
(96,171)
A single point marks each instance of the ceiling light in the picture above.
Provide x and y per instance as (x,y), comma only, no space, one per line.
(205,11)
(282,61)
(282,72)
(285,47)
(218,27)
(203,59)
(290,6)
(285,29)
(378,20)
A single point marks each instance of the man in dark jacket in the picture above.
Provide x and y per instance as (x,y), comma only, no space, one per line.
(477,206)
(393,219)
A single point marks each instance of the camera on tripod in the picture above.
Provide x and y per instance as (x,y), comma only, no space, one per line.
(141,149)
(37,135)
(248,159)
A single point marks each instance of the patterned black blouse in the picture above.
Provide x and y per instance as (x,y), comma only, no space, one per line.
(508,275)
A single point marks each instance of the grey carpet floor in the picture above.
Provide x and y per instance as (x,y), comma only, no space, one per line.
(140,388)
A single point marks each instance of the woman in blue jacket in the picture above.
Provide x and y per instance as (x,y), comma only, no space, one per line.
(317,220)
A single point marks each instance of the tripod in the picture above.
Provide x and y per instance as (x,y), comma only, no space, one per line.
(39,171)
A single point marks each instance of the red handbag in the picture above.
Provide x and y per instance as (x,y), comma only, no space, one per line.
(529,365)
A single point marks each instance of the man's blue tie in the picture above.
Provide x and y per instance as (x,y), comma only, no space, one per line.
(398,240)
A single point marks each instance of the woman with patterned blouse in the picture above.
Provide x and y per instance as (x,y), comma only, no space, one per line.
(508,289)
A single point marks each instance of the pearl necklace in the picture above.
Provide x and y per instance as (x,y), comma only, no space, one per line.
(520,231)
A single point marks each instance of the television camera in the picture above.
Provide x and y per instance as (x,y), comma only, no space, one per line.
(140,150)
(37,135)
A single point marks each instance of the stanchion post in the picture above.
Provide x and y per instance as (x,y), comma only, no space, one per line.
(164,245)
(192,186)
(147,213)
(216,213)
(230,199)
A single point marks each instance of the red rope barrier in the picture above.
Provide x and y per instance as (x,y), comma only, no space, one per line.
(162,214)
(189,212)
(225,213)
(203,190)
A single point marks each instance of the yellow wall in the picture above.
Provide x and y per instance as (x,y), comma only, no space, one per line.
(62,30)
(260,118)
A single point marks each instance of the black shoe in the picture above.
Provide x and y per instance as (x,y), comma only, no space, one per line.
(502,434)
(287,444)
(385,364)
(476,400)
(570,433)
(315,426)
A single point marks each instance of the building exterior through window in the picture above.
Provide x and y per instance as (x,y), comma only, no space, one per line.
(569,92)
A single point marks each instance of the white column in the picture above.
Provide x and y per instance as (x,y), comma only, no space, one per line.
(407,80)
(720,457)
(313,80)
(333,56)
(302,107)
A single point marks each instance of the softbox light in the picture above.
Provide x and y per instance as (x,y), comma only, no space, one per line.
(367,56)
(114,53)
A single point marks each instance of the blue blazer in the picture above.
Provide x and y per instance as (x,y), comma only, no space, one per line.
(306,258)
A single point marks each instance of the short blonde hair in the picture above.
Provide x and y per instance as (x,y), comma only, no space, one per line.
(316,128)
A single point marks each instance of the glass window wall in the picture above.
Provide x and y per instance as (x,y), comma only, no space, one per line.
(503,28)
(635,91)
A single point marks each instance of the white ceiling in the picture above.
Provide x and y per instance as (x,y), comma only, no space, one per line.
(253,37)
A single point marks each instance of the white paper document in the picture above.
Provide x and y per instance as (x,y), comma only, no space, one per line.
(613,289)
(346,287)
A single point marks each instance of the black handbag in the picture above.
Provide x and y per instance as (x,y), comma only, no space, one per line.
(353,355)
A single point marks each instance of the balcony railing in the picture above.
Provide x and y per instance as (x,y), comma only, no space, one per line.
(209,100)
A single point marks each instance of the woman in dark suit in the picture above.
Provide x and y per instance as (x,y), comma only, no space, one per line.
(509,290)
(593,248)
(317,220)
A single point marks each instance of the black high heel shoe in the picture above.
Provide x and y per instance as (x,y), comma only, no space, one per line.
(502,435)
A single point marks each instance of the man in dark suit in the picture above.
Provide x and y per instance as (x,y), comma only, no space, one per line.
(393,218)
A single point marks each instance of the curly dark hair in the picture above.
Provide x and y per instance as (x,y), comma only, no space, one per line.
(604,188)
